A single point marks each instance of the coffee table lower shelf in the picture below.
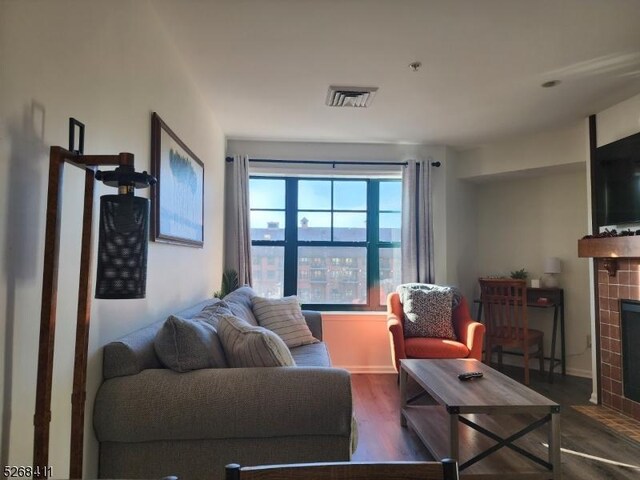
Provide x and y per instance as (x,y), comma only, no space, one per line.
(431,424)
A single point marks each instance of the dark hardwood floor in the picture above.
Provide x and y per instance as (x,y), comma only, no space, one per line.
(376,400)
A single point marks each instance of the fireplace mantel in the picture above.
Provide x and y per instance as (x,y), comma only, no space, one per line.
(610,249)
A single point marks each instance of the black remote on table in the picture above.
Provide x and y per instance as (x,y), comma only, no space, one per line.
(469,375)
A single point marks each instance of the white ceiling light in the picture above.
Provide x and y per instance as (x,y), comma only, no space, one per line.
(350,96)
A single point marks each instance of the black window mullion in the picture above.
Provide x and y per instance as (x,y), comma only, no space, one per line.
(332,237)
(290,286)
(373,262)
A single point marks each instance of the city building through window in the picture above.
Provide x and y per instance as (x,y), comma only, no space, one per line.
(333,242)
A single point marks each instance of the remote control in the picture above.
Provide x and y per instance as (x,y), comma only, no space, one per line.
(469,375)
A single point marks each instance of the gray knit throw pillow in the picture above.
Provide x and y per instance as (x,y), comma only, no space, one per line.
(427,312)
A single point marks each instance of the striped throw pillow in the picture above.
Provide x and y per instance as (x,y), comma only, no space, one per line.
(284,317)
(248,346)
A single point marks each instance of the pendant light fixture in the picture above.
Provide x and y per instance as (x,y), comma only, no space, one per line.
(124,234)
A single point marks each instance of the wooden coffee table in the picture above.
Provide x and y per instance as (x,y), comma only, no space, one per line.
(470,421)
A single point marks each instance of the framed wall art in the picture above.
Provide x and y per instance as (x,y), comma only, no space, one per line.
(178,197)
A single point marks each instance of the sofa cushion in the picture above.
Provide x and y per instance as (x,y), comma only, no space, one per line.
(283,316)
(427,312)
(184,345)
(434,348)
(239,301)
(246,345)
(312,355)
(212,313)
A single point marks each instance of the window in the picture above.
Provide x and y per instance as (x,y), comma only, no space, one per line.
(333,242)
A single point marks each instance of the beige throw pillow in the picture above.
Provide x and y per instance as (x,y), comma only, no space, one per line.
(248,346)
(284,317)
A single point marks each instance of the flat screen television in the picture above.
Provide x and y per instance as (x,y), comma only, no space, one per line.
(617,180)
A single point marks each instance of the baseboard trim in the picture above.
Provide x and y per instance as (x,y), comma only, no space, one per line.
(386,369)
(575,372)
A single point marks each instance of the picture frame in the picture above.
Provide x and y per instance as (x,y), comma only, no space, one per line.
(178,196)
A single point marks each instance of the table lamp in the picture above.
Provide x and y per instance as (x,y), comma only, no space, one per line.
(552,267)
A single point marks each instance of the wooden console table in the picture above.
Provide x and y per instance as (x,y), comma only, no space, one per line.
(554,299)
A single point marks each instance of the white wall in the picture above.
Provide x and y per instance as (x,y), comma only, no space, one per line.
(618,121)
(461,241)
(543,153)
(109,64)
(522,221)
(358,342)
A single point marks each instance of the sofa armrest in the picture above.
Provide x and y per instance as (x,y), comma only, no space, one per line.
(314,321)
(469,332)
(160,404)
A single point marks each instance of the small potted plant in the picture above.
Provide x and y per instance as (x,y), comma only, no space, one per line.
(519,274)
(229,283)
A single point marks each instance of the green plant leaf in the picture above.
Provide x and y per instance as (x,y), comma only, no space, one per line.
(519,274)
(229,283)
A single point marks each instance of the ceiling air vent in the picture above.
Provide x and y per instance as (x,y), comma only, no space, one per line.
(350,96)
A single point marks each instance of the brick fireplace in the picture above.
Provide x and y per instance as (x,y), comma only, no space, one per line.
(611,289)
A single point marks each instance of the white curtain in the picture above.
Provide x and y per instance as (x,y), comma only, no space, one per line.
(417,223)
(238,232)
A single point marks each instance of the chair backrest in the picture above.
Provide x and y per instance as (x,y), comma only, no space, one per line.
(445,470)
(504,305)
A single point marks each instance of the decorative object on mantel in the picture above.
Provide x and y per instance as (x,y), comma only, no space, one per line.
(535,283)
(609,246)
(552,266)
(123,235)
(612,233)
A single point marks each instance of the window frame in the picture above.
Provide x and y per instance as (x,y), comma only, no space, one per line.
(291,244)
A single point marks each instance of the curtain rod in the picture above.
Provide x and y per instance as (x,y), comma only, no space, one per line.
(329,162)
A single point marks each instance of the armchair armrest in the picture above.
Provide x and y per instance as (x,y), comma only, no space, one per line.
(394,324)
(469,332)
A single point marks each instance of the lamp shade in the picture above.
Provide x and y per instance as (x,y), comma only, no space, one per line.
(552,265)
(122,247)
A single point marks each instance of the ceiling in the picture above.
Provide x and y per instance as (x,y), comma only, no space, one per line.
(265,65)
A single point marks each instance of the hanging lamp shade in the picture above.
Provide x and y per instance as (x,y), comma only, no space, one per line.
(123,237)
(122,247)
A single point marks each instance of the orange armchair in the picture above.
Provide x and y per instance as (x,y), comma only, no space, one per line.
(469,332)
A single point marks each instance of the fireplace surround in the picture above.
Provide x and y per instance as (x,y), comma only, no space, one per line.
(624,285)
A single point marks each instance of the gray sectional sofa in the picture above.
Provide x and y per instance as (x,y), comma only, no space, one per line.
(151,421)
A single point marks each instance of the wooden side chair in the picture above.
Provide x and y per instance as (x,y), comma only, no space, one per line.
(445,470)
(504,303)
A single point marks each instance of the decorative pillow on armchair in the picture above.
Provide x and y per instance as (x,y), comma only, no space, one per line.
(427,312)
